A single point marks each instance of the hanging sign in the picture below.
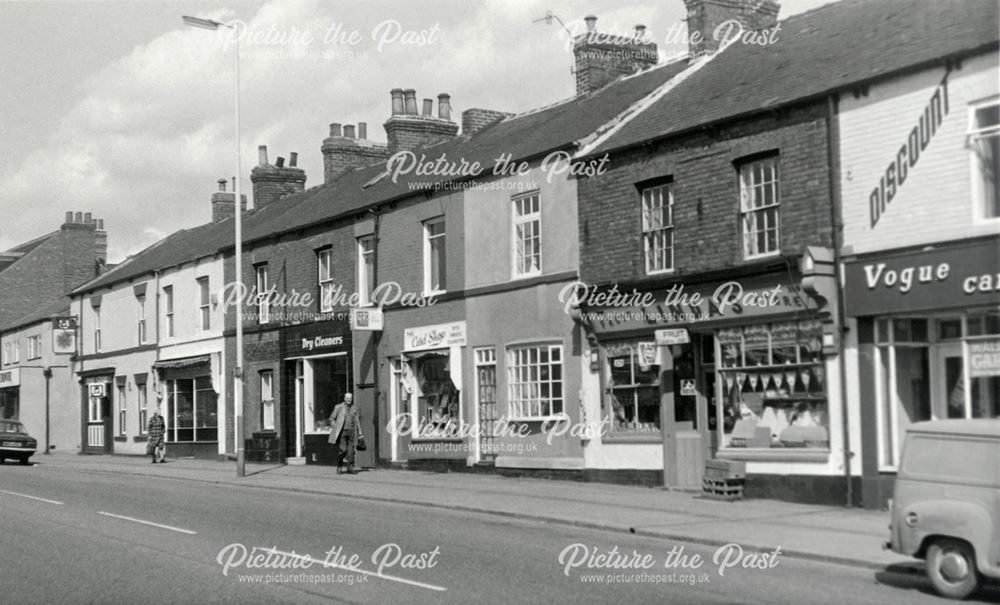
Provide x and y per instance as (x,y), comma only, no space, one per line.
(673,336)
(367,319)
(64,335)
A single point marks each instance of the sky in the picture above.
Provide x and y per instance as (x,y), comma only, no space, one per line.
(119,109)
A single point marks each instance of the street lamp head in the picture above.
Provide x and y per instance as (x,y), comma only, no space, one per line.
(202,23)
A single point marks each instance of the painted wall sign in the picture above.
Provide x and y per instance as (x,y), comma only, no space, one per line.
(10,378)
(984,358)
(908,155)
(434,337)
(954,276)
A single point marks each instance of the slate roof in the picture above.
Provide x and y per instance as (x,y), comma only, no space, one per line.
(527,135)
(830,48)
(53,309)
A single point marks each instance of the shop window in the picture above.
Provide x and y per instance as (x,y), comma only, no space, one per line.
(949,328)
(168,307)
(984,143)
(527,236)
(192,410)
(759,205)
(9,404)
(204,300)
(263,294)
(984,323)
(534,381)
(426,380)
(773,384)
(366,269)
(633,386)
(434,256)
(324,261)
(330,383)
(267,400)
(34,347)
(658,228)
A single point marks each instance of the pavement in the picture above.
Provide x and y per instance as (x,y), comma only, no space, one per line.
(830,534)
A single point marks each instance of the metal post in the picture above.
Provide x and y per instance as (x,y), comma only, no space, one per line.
(238,377)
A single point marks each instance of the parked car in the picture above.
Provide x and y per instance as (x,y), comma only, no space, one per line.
(15,442)
(946,506)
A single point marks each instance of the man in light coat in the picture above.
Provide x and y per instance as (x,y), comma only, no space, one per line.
(345,430)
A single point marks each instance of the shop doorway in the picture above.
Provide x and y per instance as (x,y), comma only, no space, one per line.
(688,385)
(949,391)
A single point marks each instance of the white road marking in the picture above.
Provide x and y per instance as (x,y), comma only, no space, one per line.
(32,497)
(160,525)
(357,570)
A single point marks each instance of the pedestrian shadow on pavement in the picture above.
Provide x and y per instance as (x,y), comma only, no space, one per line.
(912,576)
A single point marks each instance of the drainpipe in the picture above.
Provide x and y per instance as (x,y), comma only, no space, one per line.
(47,373)
(833,155)
(378,339)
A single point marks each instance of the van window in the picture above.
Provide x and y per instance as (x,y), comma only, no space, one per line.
(950,458)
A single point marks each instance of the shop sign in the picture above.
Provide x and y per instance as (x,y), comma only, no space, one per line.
(97,389)
(10,378)
(957,276)
(367,319)
(673,336)
(984,358)
(64,335)
(434,337)
(687,388)
(318,338)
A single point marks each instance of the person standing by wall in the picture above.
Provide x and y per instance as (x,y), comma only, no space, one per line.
(345,432)
(157,430)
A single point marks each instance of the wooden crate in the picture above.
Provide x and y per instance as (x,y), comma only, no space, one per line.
(725,469)
(723,489)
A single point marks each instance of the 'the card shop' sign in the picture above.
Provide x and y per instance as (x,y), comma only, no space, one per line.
(955,276)
(434,337)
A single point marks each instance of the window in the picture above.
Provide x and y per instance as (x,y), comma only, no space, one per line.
(8,353)
(658,228)
(534,381)
(324,263)
(168,306)
(267,400)
(486,399)
(633,370)
(141,323)
(97,329)
(434,256)
(438,400)
(121,408)
(263,296)
(140,389)
(759,207)
(527,236)
(34,347)
(366,269)
(984,142)
(192,413)
(773,386)
(204,300)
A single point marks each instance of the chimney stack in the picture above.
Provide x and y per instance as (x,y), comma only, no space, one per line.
(602,59)
(349,148)
(271,183)
(475,119)
(704,16)
(224,202)
(293,159)
(410,130)
(397,104)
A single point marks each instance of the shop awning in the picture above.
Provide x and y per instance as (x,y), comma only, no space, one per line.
(184,362)
(419,354)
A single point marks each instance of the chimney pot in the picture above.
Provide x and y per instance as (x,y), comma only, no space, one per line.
(428,107)
(591,21)
(410,102)
(444,106)
(222,184)
(87,218)
(349,131)
(281,162)
(100,224)
(293,159)
(363,130)
(640,30)
(335,130)
(78,218)
(234,183)
(262,155)
(69,217)
(397,101)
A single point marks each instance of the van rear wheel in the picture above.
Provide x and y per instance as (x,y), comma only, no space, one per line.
(951,567)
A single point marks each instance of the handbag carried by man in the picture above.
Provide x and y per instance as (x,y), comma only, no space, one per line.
(361,445)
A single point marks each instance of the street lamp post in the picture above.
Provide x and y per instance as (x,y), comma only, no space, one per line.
(238,374)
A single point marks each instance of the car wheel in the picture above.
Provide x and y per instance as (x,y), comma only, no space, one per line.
(951,567)
(25,461)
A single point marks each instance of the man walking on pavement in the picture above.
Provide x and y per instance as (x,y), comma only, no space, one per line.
(156,429)
(345,432)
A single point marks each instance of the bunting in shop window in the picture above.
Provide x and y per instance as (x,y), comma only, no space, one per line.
(754,379)
(729,383)
(806,378)
(790,380)
(741,379)
(776,379)
(819,373)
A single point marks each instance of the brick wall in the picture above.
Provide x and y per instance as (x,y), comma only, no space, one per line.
(411,132)
(706,196)
(271,183)
(704,16)
(473,120)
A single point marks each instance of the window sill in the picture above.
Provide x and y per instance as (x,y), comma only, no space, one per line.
(762,256)
(525,275)
(120,438)
(775,454)
(553,418)
(140,438)
(652,437)
(660,272)
(430,293)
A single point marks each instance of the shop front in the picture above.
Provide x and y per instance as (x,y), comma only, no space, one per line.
(928,323)
(737,368)
(98,424)
(318,371)
(10,394)
(188,393)
(426,412)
